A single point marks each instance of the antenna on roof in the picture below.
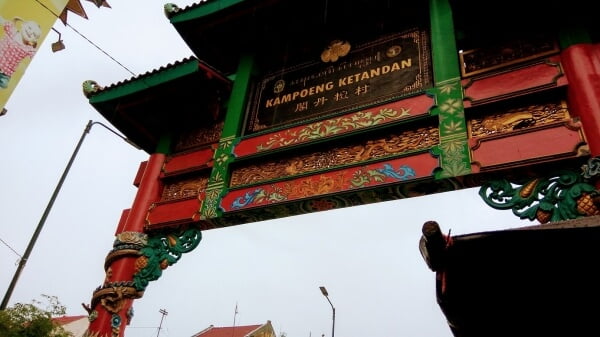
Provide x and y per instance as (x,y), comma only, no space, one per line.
(235,313)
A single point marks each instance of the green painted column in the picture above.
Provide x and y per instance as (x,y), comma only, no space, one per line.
(217,183)
(453,149)
(443,42)
(164,144)
(573,34)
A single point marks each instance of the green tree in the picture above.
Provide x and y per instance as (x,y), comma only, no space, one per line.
(30,320)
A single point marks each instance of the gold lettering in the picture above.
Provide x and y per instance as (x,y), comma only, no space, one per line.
(319,88)
(341,82)
(286,98)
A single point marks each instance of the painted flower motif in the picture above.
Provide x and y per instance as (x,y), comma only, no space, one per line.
(317,130)
(453,146)
(222,159)
(335,50)
(451,105)
(447,88)
(453,126)
(455,168)
(224,144)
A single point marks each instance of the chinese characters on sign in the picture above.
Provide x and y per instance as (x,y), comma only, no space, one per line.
(379,71)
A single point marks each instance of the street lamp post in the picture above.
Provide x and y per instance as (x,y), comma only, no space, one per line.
(324,292)
(40,225)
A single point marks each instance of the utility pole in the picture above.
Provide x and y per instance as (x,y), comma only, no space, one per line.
(164,313)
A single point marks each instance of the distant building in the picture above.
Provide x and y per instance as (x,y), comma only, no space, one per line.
(264,330)
(77,325)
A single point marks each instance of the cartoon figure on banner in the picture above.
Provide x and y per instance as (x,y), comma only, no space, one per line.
(16,45)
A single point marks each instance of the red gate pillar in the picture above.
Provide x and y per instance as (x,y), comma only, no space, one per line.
(111,307)
(582,67)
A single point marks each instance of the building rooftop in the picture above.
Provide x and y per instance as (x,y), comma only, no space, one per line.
(530,281)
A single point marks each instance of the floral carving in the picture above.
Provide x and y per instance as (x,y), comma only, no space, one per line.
(372,175)
(322,129)
(391,145)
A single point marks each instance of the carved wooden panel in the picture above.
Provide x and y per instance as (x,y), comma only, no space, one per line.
(353,153)
(199,136)
(184,188)
(525,135)
(518,118)
(480,60)
(416,166)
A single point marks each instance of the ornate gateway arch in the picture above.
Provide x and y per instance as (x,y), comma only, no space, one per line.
(292,107)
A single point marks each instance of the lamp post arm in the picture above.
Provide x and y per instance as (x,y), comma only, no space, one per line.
(40,225)
(127,140)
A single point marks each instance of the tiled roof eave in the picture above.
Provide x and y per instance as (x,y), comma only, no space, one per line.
(201,9)
(146,81)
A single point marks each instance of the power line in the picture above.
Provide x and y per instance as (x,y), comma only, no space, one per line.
(9,247)
(88,40)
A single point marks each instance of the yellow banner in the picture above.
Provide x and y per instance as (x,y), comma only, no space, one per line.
(25,24)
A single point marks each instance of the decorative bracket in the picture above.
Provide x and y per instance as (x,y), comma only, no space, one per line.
(161,252)
(563,195)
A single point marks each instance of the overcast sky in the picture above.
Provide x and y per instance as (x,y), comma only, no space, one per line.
(367,257)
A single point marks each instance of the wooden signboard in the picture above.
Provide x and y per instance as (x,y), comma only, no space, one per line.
(382,70)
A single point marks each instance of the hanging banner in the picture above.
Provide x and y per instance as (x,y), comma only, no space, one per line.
(25,24)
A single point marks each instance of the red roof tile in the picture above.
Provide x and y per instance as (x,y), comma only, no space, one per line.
(237,331)
(67,319)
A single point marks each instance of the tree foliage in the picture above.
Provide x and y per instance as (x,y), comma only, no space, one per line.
(30,320)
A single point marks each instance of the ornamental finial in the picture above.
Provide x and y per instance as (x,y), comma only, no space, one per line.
(90,87)
(170,9)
